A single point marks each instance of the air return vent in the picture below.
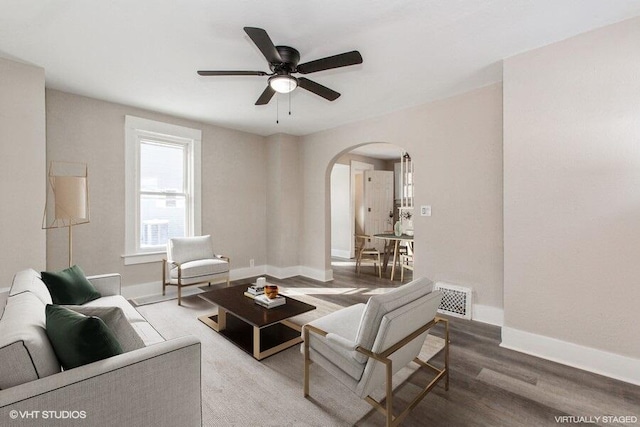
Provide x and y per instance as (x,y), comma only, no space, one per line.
(456,300)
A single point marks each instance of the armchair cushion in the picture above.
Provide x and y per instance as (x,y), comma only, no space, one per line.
(379,305)
(201,267)
(69,286)
(344,324)
(341,341)
(185,249)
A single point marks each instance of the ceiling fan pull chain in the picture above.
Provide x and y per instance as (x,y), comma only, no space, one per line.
(289,103)
(277,109)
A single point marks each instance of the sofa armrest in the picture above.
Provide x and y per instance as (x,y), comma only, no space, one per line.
(107,284)
(155,385)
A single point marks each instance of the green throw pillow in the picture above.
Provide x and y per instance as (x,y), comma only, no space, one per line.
(69,286)
(78,339)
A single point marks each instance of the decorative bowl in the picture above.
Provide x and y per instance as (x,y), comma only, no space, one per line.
(271,291)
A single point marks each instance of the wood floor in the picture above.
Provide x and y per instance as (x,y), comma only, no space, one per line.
(490,385)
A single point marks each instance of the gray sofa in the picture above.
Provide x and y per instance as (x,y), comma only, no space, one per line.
(155,382)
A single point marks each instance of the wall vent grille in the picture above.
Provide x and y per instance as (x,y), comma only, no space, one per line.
(456,300)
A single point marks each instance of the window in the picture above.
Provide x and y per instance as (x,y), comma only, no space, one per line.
(162,187)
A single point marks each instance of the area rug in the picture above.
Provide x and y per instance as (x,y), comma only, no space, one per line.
(237,390)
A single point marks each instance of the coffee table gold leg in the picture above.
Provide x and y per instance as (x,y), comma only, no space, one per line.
(217,322)
(256,342)
(222,319)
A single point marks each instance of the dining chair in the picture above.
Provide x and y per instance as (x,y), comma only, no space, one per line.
(406,260)
(367,255)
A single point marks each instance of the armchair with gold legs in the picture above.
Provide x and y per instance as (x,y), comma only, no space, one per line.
(192,261)
(363,346)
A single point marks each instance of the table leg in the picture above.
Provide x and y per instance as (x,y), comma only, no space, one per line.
(222,319)
(256,343)
(217,322)
(387,251)
(395,254)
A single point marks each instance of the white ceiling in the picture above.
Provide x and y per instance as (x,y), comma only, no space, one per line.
(145,53)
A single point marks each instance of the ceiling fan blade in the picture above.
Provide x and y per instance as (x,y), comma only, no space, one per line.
(335,61)
(264,43)
(232,73)
(266,96)
(318,89)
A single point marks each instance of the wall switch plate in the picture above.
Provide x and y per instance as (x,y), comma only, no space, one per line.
(251,263)
(425,210)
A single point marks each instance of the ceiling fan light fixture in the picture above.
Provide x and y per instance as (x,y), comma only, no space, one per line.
(283,83)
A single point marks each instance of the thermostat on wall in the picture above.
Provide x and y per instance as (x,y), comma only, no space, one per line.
(425,210)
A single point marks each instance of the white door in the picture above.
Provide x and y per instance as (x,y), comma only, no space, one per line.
(378,202)
(357,200)
(341,236)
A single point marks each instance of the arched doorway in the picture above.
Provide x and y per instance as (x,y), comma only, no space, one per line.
(366,191)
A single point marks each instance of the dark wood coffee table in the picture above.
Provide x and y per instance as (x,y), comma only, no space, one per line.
(259,331)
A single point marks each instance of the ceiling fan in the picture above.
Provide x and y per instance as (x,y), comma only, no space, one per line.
(283,61)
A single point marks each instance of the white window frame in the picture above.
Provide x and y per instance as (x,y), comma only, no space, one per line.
(136,130)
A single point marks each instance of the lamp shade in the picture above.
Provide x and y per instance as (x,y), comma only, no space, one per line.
(67,195)
(71,198)
(67,198)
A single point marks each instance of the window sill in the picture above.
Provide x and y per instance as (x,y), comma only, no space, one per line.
(143,258)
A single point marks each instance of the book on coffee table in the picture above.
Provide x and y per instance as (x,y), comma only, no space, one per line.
(255,290)
(264,301)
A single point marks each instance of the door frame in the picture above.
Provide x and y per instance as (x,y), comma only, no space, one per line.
(357,167)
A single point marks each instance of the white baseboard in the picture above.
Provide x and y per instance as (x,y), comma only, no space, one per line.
(283,272)
(487,314)
(312,273)
(142,289)
(341,253)
(245,272)
(612,365)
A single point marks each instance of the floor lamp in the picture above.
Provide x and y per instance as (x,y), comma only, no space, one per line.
(67,198)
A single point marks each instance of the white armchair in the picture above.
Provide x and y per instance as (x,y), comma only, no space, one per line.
(363,346)
(191,261)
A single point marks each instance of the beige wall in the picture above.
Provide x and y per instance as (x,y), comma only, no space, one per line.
(572,190)
(22,174)
(284,194)
(457,146)
(234,188)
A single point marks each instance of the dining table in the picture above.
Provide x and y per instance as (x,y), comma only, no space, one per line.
(392,239)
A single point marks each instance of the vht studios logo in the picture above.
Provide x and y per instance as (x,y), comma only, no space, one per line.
(48,415)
